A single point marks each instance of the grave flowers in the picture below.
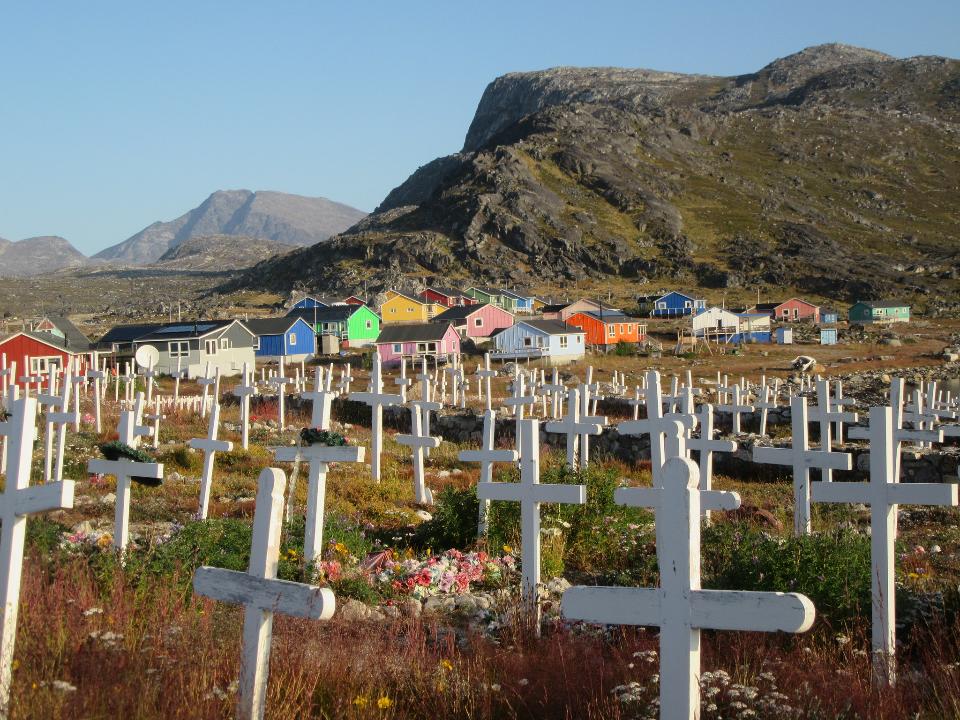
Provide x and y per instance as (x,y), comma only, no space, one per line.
(116,450)
(452,572)
(315,436)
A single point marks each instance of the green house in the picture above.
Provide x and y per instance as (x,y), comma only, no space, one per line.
(491,296)
(878,311)
(355,325)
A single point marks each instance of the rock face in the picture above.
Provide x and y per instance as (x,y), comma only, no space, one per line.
(38,255)
(216,252)
(831,170)
(278,217)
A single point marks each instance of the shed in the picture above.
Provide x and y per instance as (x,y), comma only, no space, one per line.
(828,336)
(784,336)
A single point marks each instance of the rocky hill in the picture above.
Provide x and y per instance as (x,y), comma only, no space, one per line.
(38,255)
(219,252)
(834,171)
(273,216)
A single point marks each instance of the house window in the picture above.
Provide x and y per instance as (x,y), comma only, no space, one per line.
(786,312)
(181,349)
(579,339)
(393,311)
(661,306)
(611,330)
(623,329)
(528,342)
(478,322)
(293,338)
(564,339)
(397,348)
(369,324)
(796,313)
(40,365)
(256,343)
(211,347)
(409,309)
(687,304)
(224,343)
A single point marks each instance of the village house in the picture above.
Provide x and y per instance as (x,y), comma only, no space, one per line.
(878,311)
(720,325)
(564,311)
(448,297)
(551,340)
(118,342)
(415,341)
(796,310)
(36,352)
(609,328)
(223,344)
(309,302)
(488,295)
(476,322)
(400,308)
(676,304)
(63,328)
(754,327)
(515,302)
(354,300)
(289,338)
(352,325)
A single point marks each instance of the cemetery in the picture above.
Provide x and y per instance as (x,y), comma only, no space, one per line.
(364,539)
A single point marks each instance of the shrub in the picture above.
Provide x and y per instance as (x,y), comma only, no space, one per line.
(454,522)
(625,349)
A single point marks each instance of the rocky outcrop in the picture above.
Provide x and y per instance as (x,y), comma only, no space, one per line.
(38,255)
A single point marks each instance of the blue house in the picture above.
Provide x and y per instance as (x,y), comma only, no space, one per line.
(291,338)
(552,340)
(309,302)
(521,303)
(676,304)
(829,317)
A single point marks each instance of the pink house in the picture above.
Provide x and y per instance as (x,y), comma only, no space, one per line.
(796,309)
(477,322)
(414,341)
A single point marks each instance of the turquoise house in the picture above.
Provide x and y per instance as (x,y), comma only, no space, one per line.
(878,311)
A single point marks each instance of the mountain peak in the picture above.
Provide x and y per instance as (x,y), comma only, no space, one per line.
(792,70)
(37,255)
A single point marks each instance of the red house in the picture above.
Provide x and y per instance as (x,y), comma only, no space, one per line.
(36,352)
(477,322)
(795,309)
(448,297)
(609,328)
(354,300)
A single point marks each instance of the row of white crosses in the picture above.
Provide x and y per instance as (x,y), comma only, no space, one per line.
(377,399)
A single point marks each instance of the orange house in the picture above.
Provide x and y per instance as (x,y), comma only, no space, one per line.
(609,328)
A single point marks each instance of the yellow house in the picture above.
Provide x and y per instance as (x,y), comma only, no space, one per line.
(400,308)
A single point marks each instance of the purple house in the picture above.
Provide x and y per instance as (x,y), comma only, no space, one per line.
(414,341)
(477,322)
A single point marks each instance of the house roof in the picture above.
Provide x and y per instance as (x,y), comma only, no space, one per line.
(767,305)
(677,292)
(54,341)
(515,296)
(397,293)
(552,327)
(127,333)
(556,307)
(882,303)
(608,316)
(75,338)
(752,314)
(459,312)
(334,313)
(799,300)
(176,331)
(486,290)
(322,301)
(412,332)
(271,326)
(447,292)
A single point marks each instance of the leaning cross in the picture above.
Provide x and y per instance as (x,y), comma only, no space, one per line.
(487,456)
(883,493)
(802,458)
(319,458)
(18,500)
(262,594)
(529,492)
(376,399)
(679,606)
(210,447)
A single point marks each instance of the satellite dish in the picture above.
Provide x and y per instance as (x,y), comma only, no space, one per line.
(147,356)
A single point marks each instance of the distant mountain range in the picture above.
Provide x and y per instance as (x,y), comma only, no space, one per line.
(262,224)
(38,255)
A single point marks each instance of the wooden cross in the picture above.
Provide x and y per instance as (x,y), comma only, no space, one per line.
(736,408)
(376,399)
(487,456)
(556,390)
(573,427)
(419,442)
(586,417)
(530,492)
(707,446)
(345,379)
(321,401)
(149,374)
(244,391)
(279,383)
(403,381)
(802,459)
(883,493)
(6,374)
(654,425)
(155,417)
(319,458)
(839,402)
(262,594)
(57,421)
(425,404)
(679,607)
(18,501)
(519,400)
(483,381)
(210,446)
(206,382)
(639,398)
(764,406)
(97,375)
(825,415)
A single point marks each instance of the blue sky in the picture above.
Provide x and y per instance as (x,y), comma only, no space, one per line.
(117,114)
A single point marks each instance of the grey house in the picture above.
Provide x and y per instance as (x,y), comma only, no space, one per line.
(224,344)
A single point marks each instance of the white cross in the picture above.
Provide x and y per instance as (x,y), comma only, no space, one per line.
(825,415)
(262,594)
(376,399)
(345,379)
(279,383)
(487,456)
(97,375)
(319,458)
(483,388)
(586,417)
(125,470)
(530,492)
(244,390)
(556,390)
(802,459)
(419,442)
(425,405)
(321,401)
(839,402)
(736,409)
(519,400)
(883,493)
(149,373)
(155,417)
(210,447)
(57,420)
(707,446)
(17,501)
(573,427)
(679,606)
(6,374)
(655,425)
(403,381)
(639,398)
(764,406)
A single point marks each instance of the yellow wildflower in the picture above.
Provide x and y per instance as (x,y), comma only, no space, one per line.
(446,665)
(361,701)
(383,702)
(507,549)
(341,549)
